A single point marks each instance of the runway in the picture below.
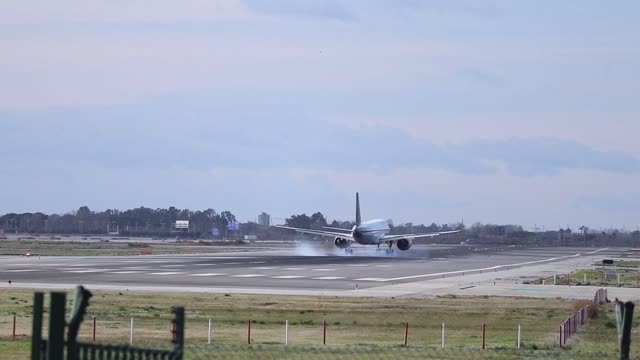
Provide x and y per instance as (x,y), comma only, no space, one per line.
(285,271)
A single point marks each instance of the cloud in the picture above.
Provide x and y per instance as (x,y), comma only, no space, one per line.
(15,12)
(320,9)
(457,127)
(622,203)
(227,133)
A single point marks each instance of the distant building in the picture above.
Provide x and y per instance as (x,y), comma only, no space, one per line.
(264,219)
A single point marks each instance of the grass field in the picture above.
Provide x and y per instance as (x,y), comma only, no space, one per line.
(371,328)
(70,248)
(628,277)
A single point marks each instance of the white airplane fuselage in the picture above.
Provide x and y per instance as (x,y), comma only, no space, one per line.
(370,232)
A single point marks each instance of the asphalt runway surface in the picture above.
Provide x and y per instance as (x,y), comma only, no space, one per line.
(425,270)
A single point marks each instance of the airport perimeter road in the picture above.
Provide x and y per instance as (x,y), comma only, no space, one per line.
(437,270)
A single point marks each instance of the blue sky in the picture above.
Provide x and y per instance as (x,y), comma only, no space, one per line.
(497,111)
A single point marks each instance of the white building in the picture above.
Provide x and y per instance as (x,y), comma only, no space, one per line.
(264,219)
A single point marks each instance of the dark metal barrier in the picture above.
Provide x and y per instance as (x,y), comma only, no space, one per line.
(55,347)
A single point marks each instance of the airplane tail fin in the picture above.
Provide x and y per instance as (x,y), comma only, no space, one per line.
(358,218)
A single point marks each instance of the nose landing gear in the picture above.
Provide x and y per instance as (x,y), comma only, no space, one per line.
(348,251)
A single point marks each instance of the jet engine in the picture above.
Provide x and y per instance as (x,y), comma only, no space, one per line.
(341,243)
(404,244)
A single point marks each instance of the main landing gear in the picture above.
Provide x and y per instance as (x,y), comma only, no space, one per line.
(388,251)
(348,251)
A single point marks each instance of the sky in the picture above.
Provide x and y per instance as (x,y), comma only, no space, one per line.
(509,112)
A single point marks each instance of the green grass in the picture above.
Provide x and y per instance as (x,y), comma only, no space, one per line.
(357,327)
(70,248)
(629,277)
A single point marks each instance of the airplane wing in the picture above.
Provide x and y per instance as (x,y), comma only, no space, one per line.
(416,236)
(335,228)
(317,232)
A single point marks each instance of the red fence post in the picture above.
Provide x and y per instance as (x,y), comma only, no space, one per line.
(249,331)
(406,334)
(484,335)
(94,329)
(324,332)
(14,326)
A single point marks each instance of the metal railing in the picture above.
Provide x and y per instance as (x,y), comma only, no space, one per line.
(55,347)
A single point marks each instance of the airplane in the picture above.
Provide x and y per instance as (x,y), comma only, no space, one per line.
(372,232)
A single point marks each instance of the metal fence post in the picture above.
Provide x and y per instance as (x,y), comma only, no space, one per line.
(624,317)
(324,332)
(178,348)
(484,335)
(55,344)
(406,334)
(442,345)
(131,332)
(36,330)
(209,333)
(286,332)
(519,336)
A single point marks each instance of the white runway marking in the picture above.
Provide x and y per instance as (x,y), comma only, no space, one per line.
(264,268)
(167,273)
(258,262)
(124,272)
(323,270)
(171,266)
(329,278)
(383,266)
(495,268)
(233,263)
(86,271)
(370,279)
(294,269)
(287,277)
(22,270)
(202,264)
(207,274)
(248,275)
(358,265)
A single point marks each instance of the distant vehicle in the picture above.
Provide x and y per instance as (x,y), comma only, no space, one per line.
(27,254)
(372,232)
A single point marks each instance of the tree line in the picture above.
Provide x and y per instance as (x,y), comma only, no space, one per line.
(210,224)
(141,221)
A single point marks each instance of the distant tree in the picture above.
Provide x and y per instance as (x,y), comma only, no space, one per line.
(318,221)
(300,221)
(433,228)
(635,236)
